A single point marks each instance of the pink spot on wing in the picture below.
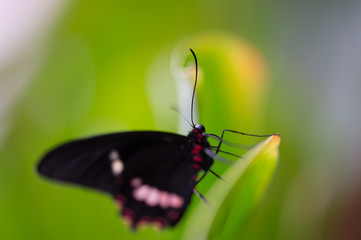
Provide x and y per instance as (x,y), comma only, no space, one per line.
(173,214)
(176,201)
(141,193)
(136,182)
(153,197)
(164,199)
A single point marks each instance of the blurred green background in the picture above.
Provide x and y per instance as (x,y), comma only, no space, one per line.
(72,69)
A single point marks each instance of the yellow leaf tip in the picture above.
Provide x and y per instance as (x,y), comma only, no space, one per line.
(276,138)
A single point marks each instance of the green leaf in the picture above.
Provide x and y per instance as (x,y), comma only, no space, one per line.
(244,185)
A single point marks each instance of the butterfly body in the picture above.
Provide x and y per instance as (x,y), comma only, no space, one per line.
(151,175)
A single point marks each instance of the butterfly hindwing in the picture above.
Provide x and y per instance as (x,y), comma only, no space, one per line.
(160,189)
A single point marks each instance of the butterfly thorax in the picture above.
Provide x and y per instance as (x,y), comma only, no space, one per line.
(199,144)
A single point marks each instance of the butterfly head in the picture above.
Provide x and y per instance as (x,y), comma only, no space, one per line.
(200,128)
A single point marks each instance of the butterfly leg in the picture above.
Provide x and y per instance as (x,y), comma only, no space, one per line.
(200,179)
(231,154)
(200,196)
(215,174)
(242,133)
(205,173)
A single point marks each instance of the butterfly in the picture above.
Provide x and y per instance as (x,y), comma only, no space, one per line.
(151,175)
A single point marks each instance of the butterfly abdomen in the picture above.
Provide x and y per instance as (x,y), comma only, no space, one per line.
(199,143)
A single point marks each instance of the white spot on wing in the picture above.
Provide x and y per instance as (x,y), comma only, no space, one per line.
(117,164)
(113,155)
(117,167)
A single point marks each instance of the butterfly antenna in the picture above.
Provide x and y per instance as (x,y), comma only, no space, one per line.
(195,85)
(175,108)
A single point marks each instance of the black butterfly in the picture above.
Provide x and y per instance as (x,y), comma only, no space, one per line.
(151,175)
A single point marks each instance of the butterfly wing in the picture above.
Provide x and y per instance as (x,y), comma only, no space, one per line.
(158,190)
(149,173)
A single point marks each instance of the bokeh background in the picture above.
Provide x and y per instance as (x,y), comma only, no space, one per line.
(72,69)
